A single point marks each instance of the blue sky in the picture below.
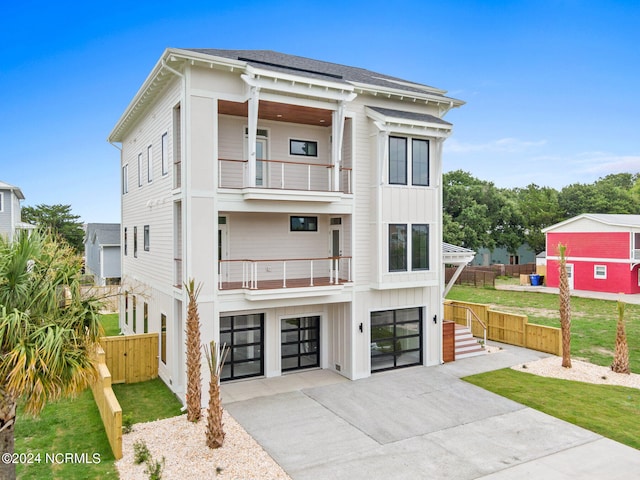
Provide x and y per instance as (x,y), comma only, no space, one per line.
(551,86)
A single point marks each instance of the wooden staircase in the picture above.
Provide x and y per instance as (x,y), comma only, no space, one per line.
(466,345)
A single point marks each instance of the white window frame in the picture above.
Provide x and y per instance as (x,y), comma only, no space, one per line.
(602,274)
(409,161)
(164,143)
(409,248)
(125,179)
(149,164)
(139,170)
(1,201)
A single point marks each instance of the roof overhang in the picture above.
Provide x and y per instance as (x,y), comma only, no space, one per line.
(409,123)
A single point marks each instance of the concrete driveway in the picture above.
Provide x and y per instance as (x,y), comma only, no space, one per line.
(420,422)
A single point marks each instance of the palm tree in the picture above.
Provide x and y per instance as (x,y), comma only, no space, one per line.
(565,308)
(215,360)
(621,356)
(194,359)
(48,331)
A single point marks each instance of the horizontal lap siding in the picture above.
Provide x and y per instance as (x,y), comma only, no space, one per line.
(585,250)
(589,244)
(151,204)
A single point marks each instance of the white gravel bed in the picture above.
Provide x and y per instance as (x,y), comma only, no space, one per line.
(182,444)
(580,371)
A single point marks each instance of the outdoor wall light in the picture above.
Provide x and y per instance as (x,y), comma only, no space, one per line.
(435,319)
(360,327)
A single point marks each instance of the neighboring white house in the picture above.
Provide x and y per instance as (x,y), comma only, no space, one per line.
(304,196)
(10,211)
(102,252)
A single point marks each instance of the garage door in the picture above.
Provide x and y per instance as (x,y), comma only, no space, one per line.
(244,336)
(396,339)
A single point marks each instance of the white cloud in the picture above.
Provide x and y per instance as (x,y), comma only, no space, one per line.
(503,145)
(606,163)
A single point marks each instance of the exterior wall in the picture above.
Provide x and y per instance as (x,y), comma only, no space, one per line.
(259,229)
(6,217)
(585,250)
(110,261)
(501,255)
(92,259)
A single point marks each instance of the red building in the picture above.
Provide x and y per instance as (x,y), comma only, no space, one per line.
(603,252)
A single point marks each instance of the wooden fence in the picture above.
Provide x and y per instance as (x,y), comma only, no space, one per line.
(478,277)
(507,327)
(108,405)
(131,358)
(110,295)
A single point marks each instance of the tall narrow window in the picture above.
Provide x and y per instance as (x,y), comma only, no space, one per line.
(146,238)
(125,241)
(420,162)
(177,149)
(134,313)
(149,164)
(397,248)
(397,160)
(163,338)
(125,179)
(146,317)
(126,308)
(420,247)
(139,169)
(165,154)
(135,242)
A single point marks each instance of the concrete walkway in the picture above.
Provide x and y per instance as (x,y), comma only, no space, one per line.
(418,423)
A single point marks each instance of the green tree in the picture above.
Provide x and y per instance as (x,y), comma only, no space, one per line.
(60,220)
(478,214)
(540,209)
(48,331)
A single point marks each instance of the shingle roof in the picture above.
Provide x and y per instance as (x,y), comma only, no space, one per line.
(422,117)
(105,233)
(308,67)
(448,248)
(18,192)
(619,220)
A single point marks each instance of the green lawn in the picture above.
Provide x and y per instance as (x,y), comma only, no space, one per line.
(613,412)
(110,324)
(67,426)
(593,322)
(74,426)
(147,401)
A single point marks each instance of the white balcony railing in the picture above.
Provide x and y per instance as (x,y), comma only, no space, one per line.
(283,273)
(281,174)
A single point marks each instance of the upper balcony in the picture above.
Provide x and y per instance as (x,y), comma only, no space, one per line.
(284,152)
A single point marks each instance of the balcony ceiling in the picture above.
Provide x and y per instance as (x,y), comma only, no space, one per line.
(279,112)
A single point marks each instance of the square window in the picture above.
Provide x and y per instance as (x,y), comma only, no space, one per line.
(305,148)
(303,224)
(600,271)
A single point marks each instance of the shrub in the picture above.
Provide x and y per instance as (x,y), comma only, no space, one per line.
(140,452)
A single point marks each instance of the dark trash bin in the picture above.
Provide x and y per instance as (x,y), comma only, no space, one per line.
(535,280)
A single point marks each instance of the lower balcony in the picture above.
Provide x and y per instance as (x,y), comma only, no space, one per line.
(289,277)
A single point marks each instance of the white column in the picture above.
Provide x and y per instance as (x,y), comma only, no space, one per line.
(251,137)
(337,132)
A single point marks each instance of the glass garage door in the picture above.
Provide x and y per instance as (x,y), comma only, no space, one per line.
(300,343)
(244,336)
(396,339)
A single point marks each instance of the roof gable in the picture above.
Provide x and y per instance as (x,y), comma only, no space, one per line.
(609,220)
